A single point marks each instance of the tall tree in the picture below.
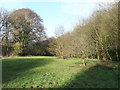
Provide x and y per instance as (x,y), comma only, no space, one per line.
(4,31)
(27,27)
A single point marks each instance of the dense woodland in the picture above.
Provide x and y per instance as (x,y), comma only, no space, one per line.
(97,37)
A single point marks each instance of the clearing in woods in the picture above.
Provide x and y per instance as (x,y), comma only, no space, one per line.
(50,72)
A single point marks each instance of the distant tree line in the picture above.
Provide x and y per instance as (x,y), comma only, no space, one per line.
(97,37)
(22,33)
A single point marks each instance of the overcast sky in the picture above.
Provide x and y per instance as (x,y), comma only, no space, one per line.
(56,12)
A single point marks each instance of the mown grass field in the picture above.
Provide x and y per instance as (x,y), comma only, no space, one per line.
(50,72)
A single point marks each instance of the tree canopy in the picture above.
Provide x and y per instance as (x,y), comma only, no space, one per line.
(24,27)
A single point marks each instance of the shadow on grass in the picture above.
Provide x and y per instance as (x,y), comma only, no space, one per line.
(13,68)
(99,76)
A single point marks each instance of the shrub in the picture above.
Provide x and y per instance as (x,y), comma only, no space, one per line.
(17,48)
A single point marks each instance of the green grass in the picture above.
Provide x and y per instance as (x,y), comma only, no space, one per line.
(49,72)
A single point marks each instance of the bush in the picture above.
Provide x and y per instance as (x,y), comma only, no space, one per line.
(17,48)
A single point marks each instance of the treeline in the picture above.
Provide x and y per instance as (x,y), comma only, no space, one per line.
(22,33)
(97,37)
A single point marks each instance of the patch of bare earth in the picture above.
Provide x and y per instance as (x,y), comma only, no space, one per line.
(80,66)
(94,67)
(79,59)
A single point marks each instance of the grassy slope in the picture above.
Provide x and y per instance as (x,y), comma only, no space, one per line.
(47,72)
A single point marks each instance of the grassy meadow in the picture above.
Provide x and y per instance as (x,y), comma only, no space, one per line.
(51,72)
